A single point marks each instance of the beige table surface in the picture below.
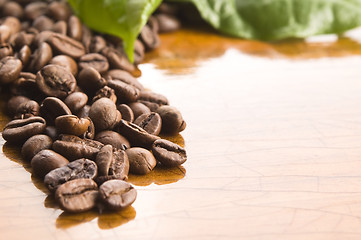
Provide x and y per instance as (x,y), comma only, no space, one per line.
(273,142)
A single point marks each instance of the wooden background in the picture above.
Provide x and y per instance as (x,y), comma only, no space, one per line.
(273,142)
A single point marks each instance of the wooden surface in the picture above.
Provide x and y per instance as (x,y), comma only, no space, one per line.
(274,149)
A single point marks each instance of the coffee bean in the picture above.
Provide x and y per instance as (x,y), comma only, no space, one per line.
(94,60)
(84,112)
(12,8)
(104,114)
(55,81)
(139,109)
(80,168)
(136,135)
(60,27)
(172,120)
(53,107)
(76,101)
(43,23)
(5,50)
(19,130)
(141,160)
(113,138)
(106,92)
(90,80)
(78,195)
(73,147)
(124,76)
(59,10)
(117,194)
(40,57)
(75,30)
(34,145)
(168,153)
(4,33)
(10,69)
(97,44)
(67,62)
(167,23)
(90,132)
(13,24)
(150,122)
(153,97)
(35,9)
(149,38)
(65,45)
(23,38)
(71,124)
(117,59)
(45,161)
(138,52)
(125,93)
(24,55)
(27,109)
(112,164)
(51,132)
(126,112)
(14,103)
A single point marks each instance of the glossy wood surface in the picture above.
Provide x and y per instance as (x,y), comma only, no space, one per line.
(273,140)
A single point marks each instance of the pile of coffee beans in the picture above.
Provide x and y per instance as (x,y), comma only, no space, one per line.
(80,116)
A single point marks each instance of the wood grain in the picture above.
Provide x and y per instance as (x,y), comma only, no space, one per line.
(274,149)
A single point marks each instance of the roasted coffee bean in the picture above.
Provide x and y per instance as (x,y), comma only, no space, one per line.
(43,23)
(112,164)
(168,153)
(65,45)
(76,101)
(55,81)
(138,52)
(97,44)
(19,130)
(75,28)
(90,132)
(172,120)
(117,74)
(13,24)
(14,103)
(126,112)
(42,37)
(94,60)
(139,109)
(45,161)
(104,114)
(141,160)
(4,33)
(40,57)
(35,9)
(150,122)
(125,93)
(167,23)
(53,107)
(51,132)
(27,109)
(12,8)
(84,112)
(151,105)
(136,135)
(153,23)
(113,138)
(5,50)
(71,124)
(117,194)
(23,38)
(73,147)
(149,38)
(34,145)
(26,85)
(60,27)
(153,97)
(78,195)
(67,62)
(90,80)
(59,10)
(80,168)
(10,69)
(24,55)
(117,59)
(87,36)
(106,92)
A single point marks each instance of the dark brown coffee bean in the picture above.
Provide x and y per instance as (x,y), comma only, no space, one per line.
(67,62)
(55,81)
(90,80)
(149,38)
(26,85)
(53,107)
(24,55)
(73,147)
(65,45)
(150,122)
(34,145)
(136,135)
(45,161)
(172,120)
(59,10)
(76,101)
(14,103)
(126,112)
(141,160)
(40,57)
(27,109)
(90,132)
(12,8)
(125,93)
(80,168)
(13,24)
(153,97)
(117,194)
(151,105)
(43,23)
(10,69)
(153,23)
(113,138)
(112,164)
(87,36)
(106,92)
(84,112)
(117,74)
(42,37)
(19,130)
(78,195)
(97,44)
(71,124)
(4,33)
(104,114)
(35,9)
(94,60)
(75,28)
(138,52)
(5,50)
(167,23)
(23,38)
(60,27)
(117,59)
(168,153)
(139,109)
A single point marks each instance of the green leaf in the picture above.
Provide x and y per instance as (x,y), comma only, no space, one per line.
(122,18)
(279,19)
